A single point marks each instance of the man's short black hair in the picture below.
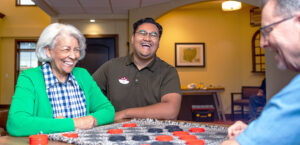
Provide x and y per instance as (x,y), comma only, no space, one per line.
(147,20)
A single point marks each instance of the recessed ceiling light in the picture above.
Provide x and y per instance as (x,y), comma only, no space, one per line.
(231,5)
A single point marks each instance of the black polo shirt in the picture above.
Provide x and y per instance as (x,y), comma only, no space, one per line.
(127,87)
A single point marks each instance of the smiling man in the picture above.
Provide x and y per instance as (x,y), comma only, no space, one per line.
(141,85)
(279,121)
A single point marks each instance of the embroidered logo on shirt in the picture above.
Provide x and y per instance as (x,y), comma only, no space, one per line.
(123,80)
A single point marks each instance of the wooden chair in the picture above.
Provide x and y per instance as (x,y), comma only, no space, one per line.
(4,108)
(243,101)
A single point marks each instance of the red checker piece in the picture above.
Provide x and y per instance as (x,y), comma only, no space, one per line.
(115,131)
(164,138)
(195,142)
(70,135)
(197,130)
(40,139)
(188,137)
(129,125)
(179,133)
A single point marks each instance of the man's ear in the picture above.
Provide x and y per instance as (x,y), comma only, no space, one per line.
(297,22)
(132,38)
(298,17)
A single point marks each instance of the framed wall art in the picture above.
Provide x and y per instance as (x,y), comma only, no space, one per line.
(190,54)
(255,17)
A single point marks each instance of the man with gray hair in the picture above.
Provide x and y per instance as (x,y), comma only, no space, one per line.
(279,121)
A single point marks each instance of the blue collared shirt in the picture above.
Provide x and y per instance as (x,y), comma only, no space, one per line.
(67,99)
(278,124)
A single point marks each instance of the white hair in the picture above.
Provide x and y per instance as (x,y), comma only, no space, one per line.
(285,7)
(48,39)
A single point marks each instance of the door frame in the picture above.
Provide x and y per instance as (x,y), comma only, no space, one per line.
(115,36)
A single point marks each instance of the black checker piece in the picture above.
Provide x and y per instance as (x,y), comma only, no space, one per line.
(171,126)
(117,138)
(221,133)
(161,143)
(174,129)
(155,130)
(140,138)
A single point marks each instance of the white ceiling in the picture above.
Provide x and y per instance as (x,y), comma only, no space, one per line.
(93,7)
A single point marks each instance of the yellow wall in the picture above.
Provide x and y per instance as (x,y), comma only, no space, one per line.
(19,23)
(0,59)
(227,37)
(1,23)
(7,69)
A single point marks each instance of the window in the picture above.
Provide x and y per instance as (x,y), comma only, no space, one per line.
(258,54)
(25,55)
(25,3)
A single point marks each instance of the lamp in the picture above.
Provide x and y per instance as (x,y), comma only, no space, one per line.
(231,5)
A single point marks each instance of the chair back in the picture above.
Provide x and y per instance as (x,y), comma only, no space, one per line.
(248,91)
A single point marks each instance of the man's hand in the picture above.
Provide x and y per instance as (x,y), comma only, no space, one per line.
(230,142)
(120,115)
(260,92)
(168,108)
(236,129)
(86,122)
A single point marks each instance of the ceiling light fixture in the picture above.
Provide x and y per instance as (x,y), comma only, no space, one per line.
(231,5)
(92,20)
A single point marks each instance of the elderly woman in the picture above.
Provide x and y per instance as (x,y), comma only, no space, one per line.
(57,96)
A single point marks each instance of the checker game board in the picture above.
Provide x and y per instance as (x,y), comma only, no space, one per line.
(146,131)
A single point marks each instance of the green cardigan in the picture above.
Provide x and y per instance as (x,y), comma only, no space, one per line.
(31,112)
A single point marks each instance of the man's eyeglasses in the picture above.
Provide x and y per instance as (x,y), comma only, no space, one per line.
(266,30)
(143,33)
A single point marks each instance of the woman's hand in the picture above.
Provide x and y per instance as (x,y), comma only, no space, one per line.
(86,122)
(60,117)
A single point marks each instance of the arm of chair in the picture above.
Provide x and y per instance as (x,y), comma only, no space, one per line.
(2,132)
(3,120)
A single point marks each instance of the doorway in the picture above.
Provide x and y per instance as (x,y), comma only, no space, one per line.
(99,49)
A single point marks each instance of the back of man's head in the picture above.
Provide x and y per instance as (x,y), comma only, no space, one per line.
(285,8)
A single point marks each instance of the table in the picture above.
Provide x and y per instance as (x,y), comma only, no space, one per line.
(9,140)
(215,92)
